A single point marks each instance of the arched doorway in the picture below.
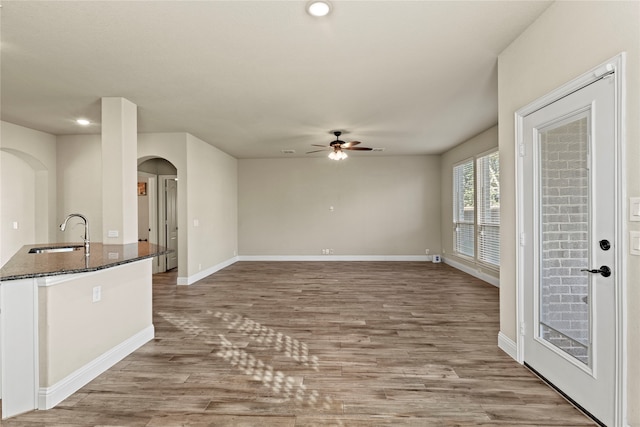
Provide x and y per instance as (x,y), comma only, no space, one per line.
(25,181)
(158,209)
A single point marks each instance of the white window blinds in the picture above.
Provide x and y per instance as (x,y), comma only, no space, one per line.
(488,220)
(476,209)
(464,208)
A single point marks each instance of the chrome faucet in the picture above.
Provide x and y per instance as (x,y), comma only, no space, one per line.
(86,229)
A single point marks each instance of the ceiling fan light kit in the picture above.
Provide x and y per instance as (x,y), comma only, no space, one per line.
(338,155)
(338,146)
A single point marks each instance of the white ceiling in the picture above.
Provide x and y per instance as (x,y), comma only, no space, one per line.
(256,77)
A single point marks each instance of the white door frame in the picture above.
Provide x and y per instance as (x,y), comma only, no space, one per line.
(615,65)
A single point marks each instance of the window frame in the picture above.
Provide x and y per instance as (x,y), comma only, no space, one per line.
(479,224)
(458,195)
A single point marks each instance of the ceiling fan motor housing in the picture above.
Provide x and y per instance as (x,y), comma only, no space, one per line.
(337,142)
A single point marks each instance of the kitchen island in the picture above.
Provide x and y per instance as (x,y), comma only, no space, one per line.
(66,317)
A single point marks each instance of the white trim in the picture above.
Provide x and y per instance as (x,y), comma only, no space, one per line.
(617,65)
(48,397)
(335,258)
(185,281)
(507,345)
(479,274)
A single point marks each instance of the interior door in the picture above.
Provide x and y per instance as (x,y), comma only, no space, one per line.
(569,225)
(171,206)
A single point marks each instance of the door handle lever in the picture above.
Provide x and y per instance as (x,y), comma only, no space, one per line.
(603,270)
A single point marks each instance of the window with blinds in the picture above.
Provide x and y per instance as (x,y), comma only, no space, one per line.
(476,209)
(464,208)
(488,221)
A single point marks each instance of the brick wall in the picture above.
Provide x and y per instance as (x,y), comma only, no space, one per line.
(564,231)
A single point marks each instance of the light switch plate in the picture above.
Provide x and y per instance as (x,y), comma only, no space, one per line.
(634,242)
(97,293)
(634,208)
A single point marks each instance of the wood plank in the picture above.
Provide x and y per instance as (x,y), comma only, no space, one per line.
(313,344)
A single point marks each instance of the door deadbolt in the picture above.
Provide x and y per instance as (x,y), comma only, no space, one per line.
(603,270)
(605,245)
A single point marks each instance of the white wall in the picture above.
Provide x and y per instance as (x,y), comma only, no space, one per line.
(483,142)
(381,206)
(566,41)
(173,148)
(213,203)
(28,188)
(79,185)
(18,191)
(75,331)
(210,197)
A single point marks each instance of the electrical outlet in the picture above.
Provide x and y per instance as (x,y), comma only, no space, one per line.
(331,251)
(112,233)
(97,293)
(15,225)
(426,251)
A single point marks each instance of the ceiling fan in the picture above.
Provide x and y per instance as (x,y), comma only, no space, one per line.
(338,146)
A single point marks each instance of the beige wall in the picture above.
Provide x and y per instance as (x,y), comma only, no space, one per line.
(74,165)
(173,148)
(79,186)
(566,41)
(28,188)
(75,331)
(481,143)
(381,206)
(213,203)
(210,197)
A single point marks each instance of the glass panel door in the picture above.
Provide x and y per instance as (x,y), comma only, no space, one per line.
(564,227)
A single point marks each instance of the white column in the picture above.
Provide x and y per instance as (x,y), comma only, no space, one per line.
(119,171)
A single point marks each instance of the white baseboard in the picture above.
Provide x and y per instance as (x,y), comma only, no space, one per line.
(507,345)
(48,397)
(335,258)
(204,273)
(473,272)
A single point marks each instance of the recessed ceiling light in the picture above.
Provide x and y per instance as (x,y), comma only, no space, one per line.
(318,8)
(83,122)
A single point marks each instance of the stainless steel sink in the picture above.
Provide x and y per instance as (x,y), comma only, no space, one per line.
(53,249)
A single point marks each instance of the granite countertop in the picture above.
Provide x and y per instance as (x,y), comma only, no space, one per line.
(25,265)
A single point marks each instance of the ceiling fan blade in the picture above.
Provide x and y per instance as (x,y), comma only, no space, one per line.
(318,145)
(350,144)
(358,148)
(316,151)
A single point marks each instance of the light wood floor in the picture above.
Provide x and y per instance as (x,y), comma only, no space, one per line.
(319,344)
